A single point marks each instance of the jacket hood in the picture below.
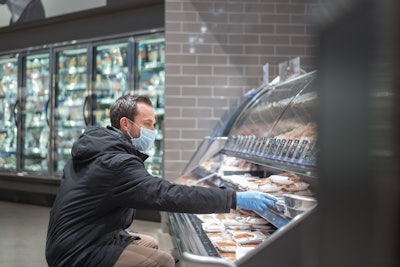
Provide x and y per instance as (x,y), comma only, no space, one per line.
(96,141)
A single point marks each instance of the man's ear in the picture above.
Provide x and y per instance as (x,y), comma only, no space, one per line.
(123,122)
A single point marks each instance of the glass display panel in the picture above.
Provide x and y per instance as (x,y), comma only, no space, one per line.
(73,102)
(35,120)
(111,79)
(8,112)
(280,123)
(150,81)
(295,133)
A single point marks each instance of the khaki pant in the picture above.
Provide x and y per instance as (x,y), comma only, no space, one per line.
(144,253)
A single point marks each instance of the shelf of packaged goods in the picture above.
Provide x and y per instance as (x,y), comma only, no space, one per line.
(274,217)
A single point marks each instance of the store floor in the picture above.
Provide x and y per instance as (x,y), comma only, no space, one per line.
(23,234)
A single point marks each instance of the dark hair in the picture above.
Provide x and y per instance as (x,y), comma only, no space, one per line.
(126,106)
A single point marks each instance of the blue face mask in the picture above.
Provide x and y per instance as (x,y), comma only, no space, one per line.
(146,139)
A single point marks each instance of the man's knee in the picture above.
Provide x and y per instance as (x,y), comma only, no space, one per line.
(167,259)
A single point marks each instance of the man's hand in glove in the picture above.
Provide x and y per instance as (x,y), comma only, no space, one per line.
(251,200)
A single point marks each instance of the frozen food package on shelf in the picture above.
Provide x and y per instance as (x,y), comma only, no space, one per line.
(207,217)
(281,179)
(253,237)
(284,182)
(230,256)
(226,245)
(256,220)
(230,222)
(218,236)
(269,187)
(237,226)
(212,227)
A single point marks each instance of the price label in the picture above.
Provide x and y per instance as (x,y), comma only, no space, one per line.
(262,145)
(280,147)
(256,145)
(301,149)
(240,144)
(247,144)
(293,148)
(308,155)
(286,149)
(273,147)
(268,146)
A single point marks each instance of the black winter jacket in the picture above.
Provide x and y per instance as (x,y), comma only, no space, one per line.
(103,184)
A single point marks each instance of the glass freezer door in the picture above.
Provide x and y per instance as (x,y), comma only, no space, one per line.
(111,79)
(150,81)
(72,102)
(35,123)
(8,110)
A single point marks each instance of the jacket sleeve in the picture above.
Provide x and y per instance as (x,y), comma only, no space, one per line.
(136,188)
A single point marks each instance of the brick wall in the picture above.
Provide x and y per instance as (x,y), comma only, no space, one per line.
(215,51)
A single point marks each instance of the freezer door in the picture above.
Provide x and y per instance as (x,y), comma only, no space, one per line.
(111,79)
(8,112)
(150,81)
(72,102)
(34,115)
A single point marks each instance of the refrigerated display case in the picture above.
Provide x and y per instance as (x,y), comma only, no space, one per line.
(72,97)
(271,147)
(8,112)
(111,77)
(150,80)
(35,125)
(50,95)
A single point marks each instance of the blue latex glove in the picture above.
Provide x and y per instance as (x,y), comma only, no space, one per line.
(251,200)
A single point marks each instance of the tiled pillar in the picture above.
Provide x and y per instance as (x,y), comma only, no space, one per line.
(215,51)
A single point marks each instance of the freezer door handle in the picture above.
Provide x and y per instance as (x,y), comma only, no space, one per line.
(85,110)
(15,112)
(47,111)
(191,260)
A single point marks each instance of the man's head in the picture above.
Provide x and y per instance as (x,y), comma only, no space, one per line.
(131,112)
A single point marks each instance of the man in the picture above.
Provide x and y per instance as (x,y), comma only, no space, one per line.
(105,181)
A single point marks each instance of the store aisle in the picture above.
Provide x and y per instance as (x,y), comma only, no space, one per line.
(23,234)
